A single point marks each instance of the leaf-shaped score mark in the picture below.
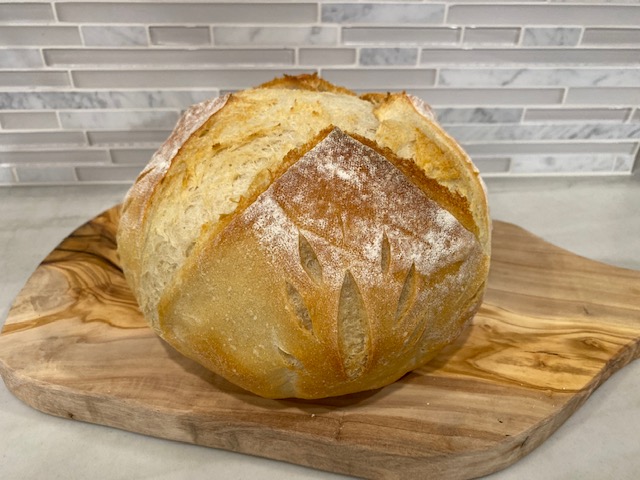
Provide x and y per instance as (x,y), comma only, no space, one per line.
(289,360)
(385,254)
(297,303)
(353,327)
(309,259)
(408,293)
(304,322)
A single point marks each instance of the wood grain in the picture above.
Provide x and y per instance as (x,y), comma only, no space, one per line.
(552,328)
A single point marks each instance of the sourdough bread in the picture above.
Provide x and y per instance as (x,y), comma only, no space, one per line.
(302,241)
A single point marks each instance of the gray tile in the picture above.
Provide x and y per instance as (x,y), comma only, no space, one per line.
(513,14)
(62,100)
(490,97)
(180,35)
(511,1)
(392,13)
(154,56)
(28,120)
(636,116)
(545,131)
(604,96)
(549,147)
(380,78)
(21,12)
(13,58)
(6,176)
(136,156)
(447,116)
(216,78)
(39,36)
(624,163)
(492,164)
(110,35)
(551,36)
(388,56)
(128,137)
(560,56)
(587,1)
(116,173)
(400,35)
(199,13)
(46,138)
(34,79)
(488,35)
(576,114)
(326,56)
(545,164)
(281,36)
(45,174)
(117,120)
(611,36)
(530,77)
(55,156)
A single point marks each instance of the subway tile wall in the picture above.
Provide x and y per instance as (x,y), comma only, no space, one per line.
(88,90)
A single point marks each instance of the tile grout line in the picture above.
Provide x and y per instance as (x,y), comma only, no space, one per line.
(581,36)
(147,33)
(635,163)
(55,12)
(632,112)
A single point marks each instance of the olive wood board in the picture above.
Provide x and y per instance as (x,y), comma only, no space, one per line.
(552,328)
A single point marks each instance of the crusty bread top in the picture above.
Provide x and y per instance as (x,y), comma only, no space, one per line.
(311,82)
(303,241)
(350,268)
(235,144)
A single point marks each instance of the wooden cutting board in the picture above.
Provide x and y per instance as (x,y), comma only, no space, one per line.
(552,328)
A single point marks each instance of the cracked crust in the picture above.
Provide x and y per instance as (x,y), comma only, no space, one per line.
(305,242)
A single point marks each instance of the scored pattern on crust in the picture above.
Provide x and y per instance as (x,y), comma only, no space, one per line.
(343,272)
(385,253)
(358,289)
(372,236)
(407,294)
(299,307)
(309,259)
(353,327)
(289,360)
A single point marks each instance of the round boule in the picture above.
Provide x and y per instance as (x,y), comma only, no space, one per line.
(303,241)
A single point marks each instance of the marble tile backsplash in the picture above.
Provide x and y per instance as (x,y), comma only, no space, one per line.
(88,90)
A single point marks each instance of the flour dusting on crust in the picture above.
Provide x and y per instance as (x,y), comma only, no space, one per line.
(295,259)
(343,196)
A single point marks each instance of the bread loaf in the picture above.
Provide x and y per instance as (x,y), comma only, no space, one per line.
(302,241)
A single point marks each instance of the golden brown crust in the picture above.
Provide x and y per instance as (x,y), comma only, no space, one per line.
(264,180)
(311,82)
(376,98)
(342,312)
(345,258)
(405,118)
(454,203)
(131,234)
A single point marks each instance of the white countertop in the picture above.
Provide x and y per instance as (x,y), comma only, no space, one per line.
(597,218)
